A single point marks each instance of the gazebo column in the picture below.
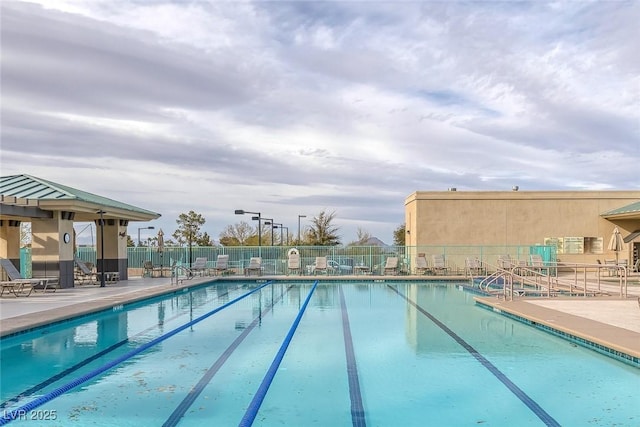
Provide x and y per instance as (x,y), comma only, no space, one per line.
(115,246)
(10,241)
(52,248)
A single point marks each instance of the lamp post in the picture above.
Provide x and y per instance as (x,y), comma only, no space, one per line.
(151,227)
(259,217)
(269,221)
(101,212)
(282,227)
(300,216)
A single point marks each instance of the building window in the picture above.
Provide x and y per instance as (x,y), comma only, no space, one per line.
(576,245)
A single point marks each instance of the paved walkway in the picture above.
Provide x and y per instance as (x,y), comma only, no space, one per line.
(612,321)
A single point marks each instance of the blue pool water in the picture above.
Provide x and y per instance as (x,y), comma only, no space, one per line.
(377,354)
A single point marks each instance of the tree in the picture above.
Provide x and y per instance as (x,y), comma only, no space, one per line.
(204,240)
(399,235)
(322,232)
(188,231)
(363,237)
(237,234)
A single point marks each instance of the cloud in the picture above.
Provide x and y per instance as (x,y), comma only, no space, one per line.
(293,107)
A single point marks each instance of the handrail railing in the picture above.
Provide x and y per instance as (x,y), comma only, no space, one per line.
(531,279)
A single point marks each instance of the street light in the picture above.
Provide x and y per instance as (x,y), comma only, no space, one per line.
(151,227)
(101,212)
(270,222)
(300,216)
(282,227)
(242,212)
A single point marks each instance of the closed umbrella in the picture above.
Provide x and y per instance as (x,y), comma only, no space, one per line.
(161,250)
(616,244)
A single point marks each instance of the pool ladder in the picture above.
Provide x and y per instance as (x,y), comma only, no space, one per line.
(175,271)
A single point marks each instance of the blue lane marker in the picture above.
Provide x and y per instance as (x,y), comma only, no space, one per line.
(357,409)
(82,363)
(186,403)
(252,411)
(531,404)
(9,416)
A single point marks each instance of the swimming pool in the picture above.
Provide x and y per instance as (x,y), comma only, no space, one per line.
(364,353)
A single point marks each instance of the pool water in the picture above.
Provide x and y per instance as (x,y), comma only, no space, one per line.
(366,353)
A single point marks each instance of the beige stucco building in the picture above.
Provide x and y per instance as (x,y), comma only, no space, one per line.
(578,223)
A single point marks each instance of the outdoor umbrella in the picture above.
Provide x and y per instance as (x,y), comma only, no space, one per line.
(161,249)
(616,244)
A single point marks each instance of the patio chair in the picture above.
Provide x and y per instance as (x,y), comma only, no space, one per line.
(537,264)
(439,264)
(84,273)
(421,264)
(255,265)
(293,261)
(473,267)
(20,286)
(391,266)
(321,265)
(222,265)
(149,269)
(505,262)
(199,266)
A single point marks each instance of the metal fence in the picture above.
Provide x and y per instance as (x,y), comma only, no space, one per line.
(345,260)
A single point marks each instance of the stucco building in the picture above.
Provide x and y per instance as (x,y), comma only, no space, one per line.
(578,223)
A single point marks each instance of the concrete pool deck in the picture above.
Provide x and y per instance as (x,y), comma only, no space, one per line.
(612,321)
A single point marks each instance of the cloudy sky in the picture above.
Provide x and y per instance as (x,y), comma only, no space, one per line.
(293,107)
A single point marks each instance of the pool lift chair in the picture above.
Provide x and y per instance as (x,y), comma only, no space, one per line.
(293,261)
(20,286)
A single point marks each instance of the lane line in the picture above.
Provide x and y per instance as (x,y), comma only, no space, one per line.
(193,394)
(9,416)
(357,408)
(520,394)
(258,398)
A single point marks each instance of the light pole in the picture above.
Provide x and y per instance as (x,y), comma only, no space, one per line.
(101,212)
(259,217)
(151,227)
(282,227)
(300,216)
(269,221)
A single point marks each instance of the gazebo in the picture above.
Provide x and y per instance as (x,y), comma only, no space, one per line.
(52,209)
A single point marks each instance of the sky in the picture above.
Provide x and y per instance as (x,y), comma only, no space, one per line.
(292,108)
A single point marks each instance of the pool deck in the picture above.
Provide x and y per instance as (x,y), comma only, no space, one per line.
(612,321)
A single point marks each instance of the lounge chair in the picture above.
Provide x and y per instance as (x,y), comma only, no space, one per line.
(20,286)
(293,261)
(84,273)
(439,264)
(473,267)
(320,265)
(391,266)
(150,270)
(505,262)
(537,264)
(421,265)
(222,265)
(199,266)
(255,265)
